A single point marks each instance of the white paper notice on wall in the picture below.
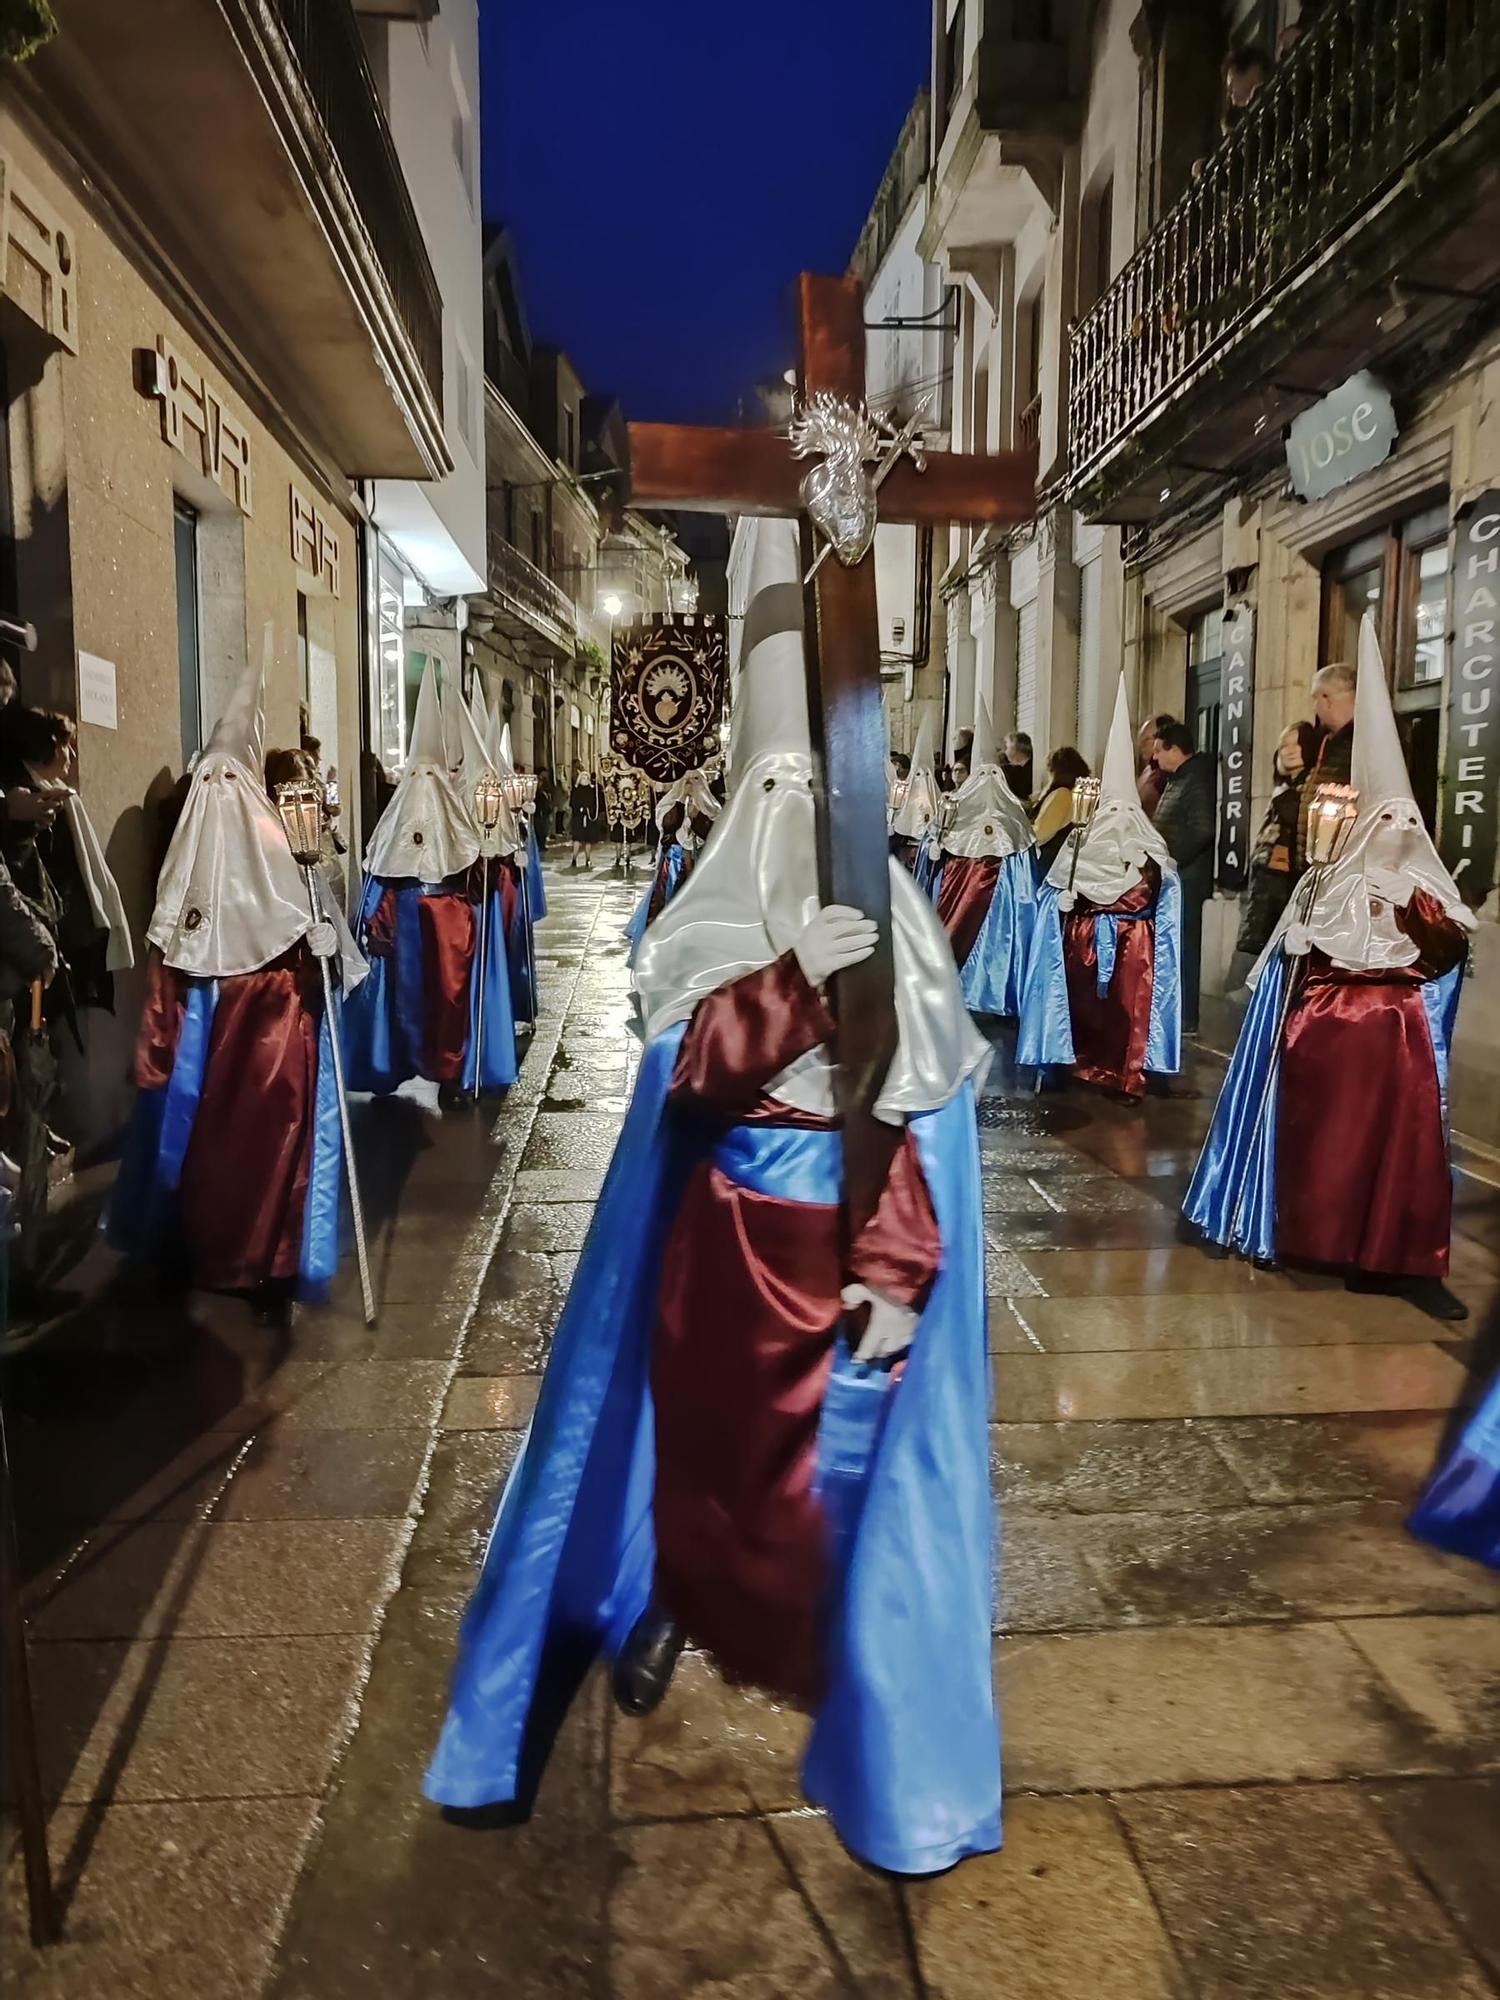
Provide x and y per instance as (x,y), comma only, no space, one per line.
(96,692)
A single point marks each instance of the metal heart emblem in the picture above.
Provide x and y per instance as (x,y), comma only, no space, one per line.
(843,510)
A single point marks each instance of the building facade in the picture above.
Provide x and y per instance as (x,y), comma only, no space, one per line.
(1251,336)
(206,350)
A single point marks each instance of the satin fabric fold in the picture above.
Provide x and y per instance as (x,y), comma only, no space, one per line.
(1232,1197)
(1460,1507)
(965,888)
(491,990)
(671,868)
(905,1750)
(234,1153)
(1115,1037)
(536,889)
(993,976)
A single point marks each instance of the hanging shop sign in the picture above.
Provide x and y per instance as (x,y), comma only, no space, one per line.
(1236,718)
(196,420)
(1341,438)
(667,692)
(1471,767)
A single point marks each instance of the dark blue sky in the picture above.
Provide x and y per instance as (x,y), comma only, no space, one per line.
(668,166)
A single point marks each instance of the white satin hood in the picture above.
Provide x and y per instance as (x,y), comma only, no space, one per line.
(230,898)
(425,834)
(1121,841)
(919,811)
(752,892)
(986,819)
(469,760)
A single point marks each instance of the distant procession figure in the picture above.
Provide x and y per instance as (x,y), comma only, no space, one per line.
(685,815)
(986,883)
(586,816)
(1103,983)
(1329,1143)
(233,1163)
(914,821)
(419,924)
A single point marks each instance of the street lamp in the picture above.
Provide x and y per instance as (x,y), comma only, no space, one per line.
(613,604)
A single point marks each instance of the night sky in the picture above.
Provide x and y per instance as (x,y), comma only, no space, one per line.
(668,166)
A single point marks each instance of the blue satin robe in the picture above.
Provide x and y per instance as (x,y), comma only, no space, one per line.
(1046,1032)
(140,1217)
(904,1752)
(993,977)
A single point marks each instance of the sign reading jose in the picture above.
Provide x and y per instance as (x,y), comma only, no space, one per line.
(1471,770)
(1348,433)
(1237,704)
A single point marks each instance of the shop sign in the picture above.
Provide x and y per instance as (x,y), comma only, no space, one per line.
(1236,717)
(315,542)
(1346,435)
(190,404)
(1471,768)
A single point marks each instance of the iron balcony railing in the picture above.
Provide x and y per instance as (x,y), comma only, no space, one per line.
(530,591)
(1370,88)
(324,37)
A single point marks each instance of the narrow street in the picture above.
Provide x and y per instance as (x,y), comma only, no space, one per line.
(1251,1727)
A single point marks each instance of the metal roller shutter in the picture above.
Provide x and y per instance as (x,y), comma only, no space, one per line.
(1026,670)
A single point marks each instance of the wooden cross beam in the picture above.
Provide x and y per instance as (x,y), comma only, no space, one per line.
(754,472)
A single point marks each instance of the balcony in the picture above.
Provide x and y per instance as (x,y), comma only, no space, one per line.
(1008,122)
(526,597)
(1351,217)
(245,142)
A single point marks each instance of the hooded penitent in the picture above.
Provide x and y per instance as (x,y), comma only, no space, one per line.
(755,886)
(1390,855)
(1329,1141)
(432,1007)
(685,815)
(425,834)
(1121,843)
(1103,987)
(234,1155)
(917,816)
(985,882)
(703,1438)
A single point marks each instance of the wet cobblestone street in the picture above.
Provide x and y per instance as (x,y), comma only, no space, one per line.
(1252,1733)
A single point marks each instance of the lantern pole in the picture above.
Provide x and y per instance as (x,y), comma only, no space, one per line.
(488,798)
(300,805)
(1330,822)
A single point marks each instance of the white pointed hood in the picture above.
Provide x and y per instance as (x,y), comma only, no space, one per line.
(755,887)
(230,898)
(984,819)
(918,811)
(1121,840)
(497,742)
(468,762)
(1390,853)
(425,834)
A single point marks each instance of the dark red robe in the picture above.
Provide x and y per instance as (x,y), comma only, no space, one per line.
(245,1174)
(449,929)
(1110,1030)
(1362,1173)
(966,888)
(747,1318)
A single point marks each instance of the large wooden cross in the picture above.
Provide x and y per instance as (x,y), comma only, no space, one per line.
(754,472)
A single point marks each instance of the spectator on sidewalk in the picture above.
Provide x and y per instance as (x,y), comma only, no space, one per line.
(1151,780)
(1186,819)
(1273,862)
(1018,765)
(1054,810)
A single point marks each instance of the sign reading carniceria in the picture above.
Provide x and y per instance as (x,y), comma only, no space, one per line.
(1235,721)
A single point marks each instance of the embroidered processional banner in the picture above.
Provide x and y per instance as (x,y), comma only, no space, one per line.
(667,692)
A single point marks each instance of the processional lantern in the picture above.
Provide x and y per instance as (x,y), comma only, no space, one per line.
(1086,796)
(490,796)
(1330,822)
(300,805)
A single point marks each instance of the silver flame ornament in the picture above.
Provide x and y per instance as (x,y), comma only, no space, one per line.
(839,494)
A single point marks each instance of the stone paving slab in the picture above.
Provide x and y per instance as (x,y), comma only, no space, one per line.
(1271,1893)
(1062,1910)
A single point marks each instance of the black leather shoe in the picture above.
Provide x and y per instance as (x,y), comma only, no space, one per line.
(647,1662)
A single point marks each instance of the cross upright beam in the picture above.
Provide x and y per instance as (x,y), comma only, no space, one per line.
(753,472)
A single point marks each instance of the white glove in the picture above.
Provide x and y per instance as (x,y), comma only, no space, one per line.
(323,941)
(890,1327)
(837,938)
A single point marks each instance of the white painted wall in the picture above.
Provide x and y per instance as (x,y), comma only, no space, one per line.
(429,79)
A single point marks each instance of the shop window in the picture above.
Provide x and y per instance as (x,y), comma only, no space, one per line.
(1400,576)
(389,717)
(189,629)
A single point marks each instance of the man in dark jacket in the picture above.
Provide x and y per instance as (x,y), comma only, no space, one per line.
(1186,819)
(1333,707)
